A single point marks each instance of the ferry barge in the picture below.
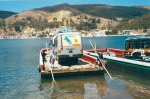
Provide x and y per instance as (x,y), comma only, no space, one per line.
(84,66)
(70,59)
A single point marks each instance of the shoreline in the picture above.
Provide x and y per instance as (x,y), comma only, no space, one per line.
(50,37)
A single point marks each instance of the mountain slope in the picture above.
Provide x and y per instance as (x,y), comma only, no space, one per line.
(56,8)
(5,14)
(141,23)
(26,14)
(99,10)
(112,12)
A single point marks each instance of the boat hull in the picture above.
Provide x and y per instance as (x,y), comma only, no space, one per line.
(73,73)
(118,62)
(129,67)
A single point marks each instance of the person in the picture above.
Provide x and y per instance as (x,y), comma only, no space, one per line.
(43,56)
(99,59)
(52,57)
(107,52)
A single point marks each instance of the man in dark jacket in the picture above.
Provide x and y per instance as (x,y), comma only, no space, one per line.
(99,59)
(43,56)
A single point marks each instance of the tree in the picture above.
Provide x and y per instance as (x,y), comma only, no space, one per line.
(16,16)
(17,28)
(86,26)
(113,32)
(2,23)
(72,23)
(55,19)
(85,17)
(98,20)
(29,18)
(93,20)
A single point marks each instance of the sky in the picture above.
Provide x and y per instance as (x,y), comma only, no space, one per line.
(22,5)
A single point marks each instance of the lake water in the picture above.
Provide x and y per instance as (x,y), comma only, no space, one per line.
(20,79)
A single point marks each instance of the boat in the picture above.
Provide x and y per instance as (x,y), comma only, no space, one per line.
(115,59)
(84,66)
(137,48)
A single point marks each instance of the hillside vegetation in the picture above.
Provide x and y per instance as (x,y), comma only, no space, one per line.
(5,14)
(142,23)
(99,10)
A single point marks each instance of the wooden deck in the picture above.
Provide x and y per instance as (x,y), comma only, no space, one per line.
(81,68)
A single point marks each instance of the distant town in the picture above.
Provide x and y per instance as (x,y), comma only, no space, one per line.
(51,32)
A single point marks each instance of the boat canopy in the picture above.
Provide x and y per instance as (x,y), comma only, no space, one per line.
(137,43)
(139,37)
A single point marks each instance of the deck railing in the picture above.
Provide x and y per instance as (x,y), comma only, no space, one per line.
(117,52)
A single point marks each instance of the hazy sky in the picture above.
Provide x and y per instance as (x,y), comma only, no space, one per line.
(21,5)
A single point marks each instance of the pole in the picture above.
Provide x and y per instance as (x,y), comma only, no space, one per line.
(51,66)
(52,72)
(101,61)
(46,47)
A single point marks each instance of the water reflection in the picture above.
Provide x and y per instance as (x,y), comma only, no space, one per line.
(138,87)
(91,87)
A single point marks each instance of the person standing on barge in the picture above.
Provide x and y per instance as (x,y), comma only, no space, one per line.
(99,59)
(52,57)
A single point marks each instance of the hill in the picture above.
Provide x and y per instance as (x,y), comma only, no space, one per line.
(141,23)
(5,14)
(59,16)
(57,8)
(99,10)
(112,12)
(78,17)
(26,14)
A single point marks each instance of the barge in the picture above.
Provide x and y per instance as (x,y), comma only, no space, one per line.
(84,66)
(66,47)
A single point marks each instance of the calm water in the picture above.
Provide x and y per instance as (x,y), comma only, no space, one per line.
(20,79)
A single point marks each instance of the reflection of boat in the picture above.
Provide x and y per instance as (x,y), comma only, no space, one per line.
(83,87)
(137,86)
(84,66)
